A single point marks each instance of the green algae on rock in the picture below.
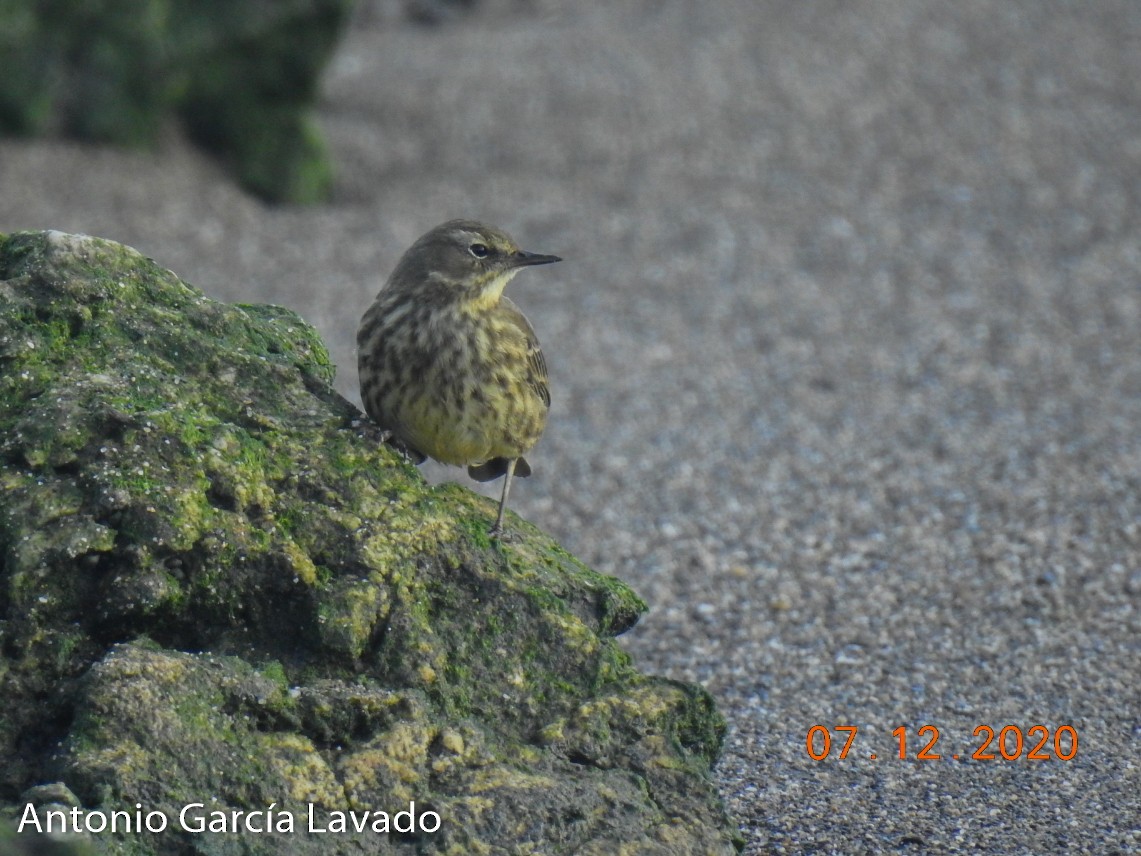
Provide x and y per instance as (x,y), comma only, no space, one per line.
(218,587)
(242,77)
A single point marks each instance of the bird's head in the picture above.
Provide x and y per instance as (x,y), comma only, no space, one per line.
(463,261)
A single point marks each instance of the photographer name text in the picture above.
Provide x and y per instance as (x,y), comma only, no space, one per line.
(197,818)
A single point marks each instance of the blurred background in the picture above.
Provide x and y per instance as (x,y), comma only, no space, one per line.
(845,351)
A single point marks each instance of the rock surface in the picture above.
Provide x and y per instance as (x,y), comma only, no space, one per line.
(219,588)
(844,359)
(242,76)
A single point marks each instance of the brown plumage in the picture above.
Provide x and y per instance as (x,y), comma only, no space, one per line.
(449,365)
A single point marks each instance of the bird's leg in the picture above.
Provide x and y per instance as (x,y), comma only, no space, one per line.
(497,529)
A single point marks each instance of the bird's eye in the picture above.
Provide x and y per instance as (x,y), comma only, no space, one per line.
(480,251)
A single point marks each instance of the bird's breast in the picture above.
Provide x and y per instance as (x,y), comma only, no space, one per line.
(454,383)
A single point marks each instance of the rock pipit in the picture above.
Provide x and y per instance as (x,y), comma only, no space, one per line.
(448,365)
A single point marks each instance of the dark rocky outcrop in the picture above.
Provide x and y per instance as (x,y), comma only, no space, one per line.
(218,587)
(242,76)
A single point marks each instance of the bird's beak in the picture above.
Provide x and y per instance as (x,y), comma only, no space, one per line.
(522,258)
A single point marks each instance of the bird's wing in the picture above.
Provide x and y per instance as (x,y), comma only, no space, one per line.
(537,376)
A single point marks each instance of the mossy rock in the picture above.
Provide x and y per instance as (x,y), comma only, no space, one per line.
(243,78)
(219,587)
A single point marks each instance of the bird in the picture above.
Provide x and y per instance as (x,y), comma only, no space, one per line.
(449,367)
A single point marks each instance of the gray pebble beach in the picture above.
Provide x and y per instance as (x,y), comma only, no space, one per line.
(845,361)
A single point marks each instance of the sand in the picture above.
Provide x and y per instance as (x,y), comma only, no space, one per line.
(845,356)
